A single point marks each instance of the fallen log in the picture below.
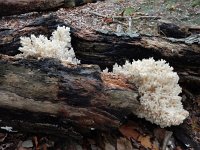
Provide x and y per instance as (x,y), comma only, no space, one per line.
(94,47)
(105,49)
(51,97)
(99,47)
(9,7)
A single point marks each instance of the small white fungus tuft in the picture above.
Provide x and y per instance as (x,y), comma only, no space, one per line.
(58,46)
(159,91)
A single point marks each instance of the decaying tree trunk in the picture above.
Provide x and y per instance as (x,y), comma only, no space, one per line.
(54,97)
(105,49)
(10,7)
(71,106)
(98,47)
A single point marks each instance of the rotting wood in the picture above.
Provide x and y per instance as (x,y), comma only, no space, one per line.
(50,94)
(96,47)
(103,49)
(169,29)
(10,7)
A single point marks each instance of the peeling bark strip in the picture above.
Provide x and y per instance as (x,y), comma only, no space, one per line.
(46,92)
(12,7)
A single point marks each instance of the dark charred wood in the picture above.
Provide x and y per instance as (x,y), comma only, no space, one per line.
(10,37)
(65,98)
(169,29)
(186,141)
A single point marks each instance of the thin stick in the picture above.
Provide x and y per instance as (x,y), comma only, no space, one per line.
(124,17)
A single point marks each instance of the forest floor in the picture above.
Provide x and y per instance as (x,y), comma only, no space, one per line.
(135,16)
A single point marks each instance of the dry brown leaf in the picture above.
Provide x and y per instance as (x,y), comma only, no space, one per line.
(108,20)
(146,142)
(129,131)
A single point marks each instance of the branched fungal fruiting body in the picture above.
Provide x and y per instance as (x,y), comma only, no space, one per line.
(58,46)
(159,91)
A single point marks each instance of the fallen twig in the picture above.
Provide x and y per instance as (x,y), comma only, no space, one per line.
(124,17)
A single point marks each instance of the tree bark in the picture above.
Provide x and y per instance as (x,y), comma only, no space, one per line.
(106,49)
(50,97)
(96,47)
(10,35)
(10,7)
(47,94)
(64,109)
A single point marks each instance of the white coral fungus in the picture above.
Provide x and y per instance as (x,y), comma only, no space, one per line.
(58,46)
(158,89)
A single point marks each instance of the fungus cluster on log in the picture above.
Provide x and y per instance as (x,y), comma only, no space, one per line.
(58,46)
(158,90)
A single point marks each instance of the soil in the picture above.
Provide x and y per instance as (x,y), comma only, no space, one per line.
(132,15)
